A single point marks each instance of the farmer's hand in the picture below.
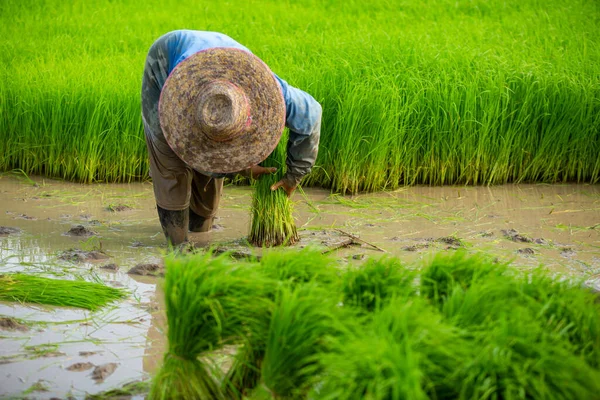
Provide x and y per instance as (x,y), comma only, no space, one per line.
(289,188)
(256,171)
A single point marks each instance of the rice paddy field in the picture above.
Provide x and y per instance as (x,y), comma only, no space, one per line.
(433,92)
(445,246)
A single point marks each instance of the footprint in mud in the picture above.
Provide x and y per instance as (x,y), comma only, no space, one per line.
(101,372)
(80,230)
(8,230)
(11,324)
(147,270)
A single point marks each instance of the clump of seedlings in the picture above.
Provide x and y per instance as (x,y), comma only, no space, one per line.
(272,220)
(462,328)
(26,288)
(210,302)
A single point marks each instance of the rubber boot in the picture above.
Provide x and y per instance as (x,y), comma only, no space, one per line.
(174,224)
(199,223)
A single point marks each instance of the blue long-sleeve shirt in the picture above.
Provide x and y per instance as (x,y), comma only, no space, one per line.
(303,112)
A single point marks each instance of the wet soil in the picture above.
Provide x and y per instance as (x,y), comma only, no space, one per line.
(11,324)
(147,269)
(7,230)
(557,226)
(101,372)
(80,230)
(80,366)
(81,256)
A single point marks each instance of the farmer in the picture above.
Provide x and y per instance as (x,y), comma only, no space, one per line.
(211,109)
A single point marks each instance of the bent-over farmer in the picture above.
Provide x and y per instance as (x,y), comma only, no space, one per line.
(212,109)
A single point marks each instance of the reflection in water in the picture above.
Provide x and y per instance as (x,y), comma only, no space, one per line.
(560,223)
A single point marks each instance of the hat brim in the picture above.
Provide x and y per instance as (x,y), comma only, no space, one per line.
(177,110)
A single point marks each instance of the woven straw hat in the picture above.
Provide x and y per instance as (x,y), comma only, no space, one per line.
(222,110)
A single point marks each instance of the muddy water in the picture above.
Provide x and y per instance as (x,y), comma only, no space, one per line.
(556,226)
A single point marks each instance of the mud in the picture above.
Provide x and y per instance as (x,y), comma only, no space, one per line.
(11,324)
(80,366)
(516,236)
(101,372)
(110,267)
(81,256)
(80,230)
(562,222)
(147,270)
(7,230)
(119,207)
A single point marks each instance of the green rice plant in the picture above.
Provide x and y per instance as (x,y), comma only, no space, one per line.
(210,301)
(292,270)
(567,311)
(57,292)
(303,318)
(521,352)
(445,272)
(405,351)
(300,266)
(532,333)
(272,220)
(244,374)
(371,285)
(434,92)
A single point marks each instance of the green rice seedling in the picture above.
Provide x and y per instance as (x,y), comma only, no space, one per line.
(298,267)
(371,285)
(568,311)
(445,272)
(210,301)
(519,352)
(57,292)
(303,318)
(272,220)
(433,92)
(405,351)
(290,269)
(244,374)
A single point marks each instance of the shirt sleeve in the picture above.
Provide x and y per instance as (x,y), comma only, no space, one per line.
(303,118)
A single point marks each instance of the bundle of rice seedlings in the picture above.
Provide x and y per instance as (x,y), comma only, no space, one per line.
(297,267)
(244,374)
(405,351)
(445,273)
(272,220)
(69,293)
(370,285)
(210,301)
(565,310)
(303,319)
(292,269)
(519,353)
(529,331)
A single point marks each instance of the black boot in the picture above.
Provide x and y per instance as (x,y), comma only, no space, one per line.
(174,225)
(199,223)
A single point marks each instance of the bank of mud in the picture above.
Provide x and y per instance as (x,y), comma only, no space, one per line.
(106,231)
